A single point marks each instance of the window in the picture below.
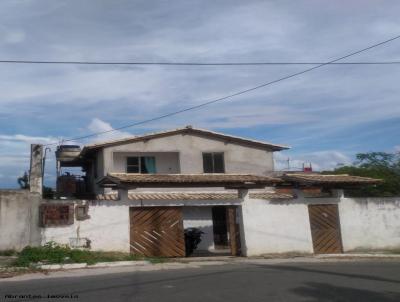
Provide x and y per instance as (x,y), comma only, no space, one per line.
(56,214)
(82,212)
(213,162)
(141,164)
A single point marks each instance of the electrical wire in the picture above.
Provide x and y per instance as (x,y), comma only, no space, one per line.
(195,63)
(231,95)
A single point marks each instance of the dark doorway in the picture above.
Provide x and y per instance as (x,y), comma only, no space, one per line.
(220,228)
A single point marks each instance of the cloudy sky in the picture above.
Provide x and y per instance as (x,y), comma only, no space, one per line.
(326,116)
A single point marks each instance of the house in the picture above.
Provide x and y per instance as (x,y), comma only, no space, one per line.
(138,194)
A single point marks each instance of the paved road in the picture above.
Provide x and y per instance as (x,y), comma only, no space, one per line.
(323,282)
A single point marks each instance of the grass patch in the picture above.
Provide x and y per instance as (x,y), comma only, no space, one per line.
(52,253)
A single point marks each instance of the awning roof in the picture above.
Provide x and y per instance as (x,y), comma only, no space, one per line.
(130,180)
(194,196)
(328,180)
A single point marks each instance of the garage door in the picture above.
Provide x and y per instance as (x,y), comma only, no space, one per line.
(157,232)
(325,229)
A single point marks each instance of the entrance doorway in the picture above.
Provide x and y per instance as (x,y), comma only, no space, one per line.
(220,228)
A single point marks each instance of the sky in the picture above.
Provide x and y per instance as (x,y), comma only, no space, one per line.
(326,116)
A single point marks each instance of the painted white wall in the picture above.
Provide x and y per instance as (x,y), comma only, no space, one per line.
(201,218)
(275,227)
(370,223)
(238,158)
(107,228)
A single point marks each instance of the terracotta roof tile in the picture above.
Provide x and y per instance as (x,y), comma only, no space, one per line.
(339,179)
(193,196)
(188,179)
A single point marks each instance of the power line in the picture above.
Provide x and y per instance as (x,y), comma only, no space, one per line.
(231,95)
(195,63)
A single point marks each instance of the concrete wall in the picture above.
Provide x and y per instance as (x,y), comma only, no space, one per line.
(108,226)
(238,158)
(19,219)
(367,224)
(370,223)
(275,227)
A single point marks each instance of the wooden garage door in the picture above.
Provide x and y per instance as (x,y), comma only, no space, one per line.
(157,232)
(325,229)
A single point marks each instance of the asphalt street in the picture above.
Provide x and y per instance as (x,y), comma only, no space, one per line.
(324,282)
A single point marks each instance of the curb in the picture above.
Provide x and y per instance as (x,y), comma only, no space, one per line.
(85,265)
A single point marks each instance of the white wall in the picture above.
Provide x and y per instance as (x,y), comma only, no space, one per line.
(201,218)
(238,158)
(107,228)
(275,227)
(19,219)
(370,223)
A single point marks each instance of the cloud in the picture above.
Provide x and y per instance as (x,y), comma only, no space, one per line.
(97,125)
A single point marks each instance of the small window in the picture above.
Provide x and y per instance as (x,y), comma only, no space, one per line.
(213,162)
(142,164)
(56,214)
(82,212)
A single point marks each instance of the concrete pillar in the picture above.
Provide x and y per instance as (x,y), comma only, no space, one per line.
(36,169)
(244,195)
(123,195)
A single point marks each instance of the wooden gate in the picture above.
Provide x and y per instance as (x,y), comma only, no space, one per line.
(234,231)
(325,229)
(157,232)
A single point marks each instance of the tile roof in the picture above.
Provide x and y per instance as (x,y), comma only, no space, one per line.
(206,179)
(188,130)
(320,179)
(193,196)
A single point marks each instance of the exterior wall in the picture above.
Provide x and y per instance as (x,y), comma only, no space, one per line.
(108,226)
(19,219)
(201,218)
(370,223)
(275,227)
(238,158)
(166,162)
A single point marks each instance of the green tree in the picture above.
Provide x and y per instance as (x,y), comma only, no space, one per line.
(381,165)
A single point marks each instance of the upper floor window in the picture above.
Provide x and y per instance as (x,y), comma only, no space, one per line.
(141,164)
(213,162)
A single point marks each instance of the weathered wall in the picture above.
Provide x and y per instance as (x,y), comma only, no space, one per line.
(370,223)
(108,226)
(238,158)
(283,226)
(275,227)
(19,219)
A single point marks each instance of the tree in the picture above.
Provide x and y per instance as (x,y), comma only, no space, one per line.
(23,181)
(381,165)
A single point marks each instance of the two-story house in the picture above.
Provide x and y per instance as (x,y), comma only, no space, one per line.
(139,194)
(188,166)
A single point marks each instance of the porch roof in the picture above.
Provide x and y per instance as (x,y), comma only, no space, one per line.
(338,180)
(194,196)
(130,180)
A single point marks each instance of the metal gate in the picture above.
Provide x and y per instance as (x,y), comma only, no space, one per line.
(325,228)
(157,231)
